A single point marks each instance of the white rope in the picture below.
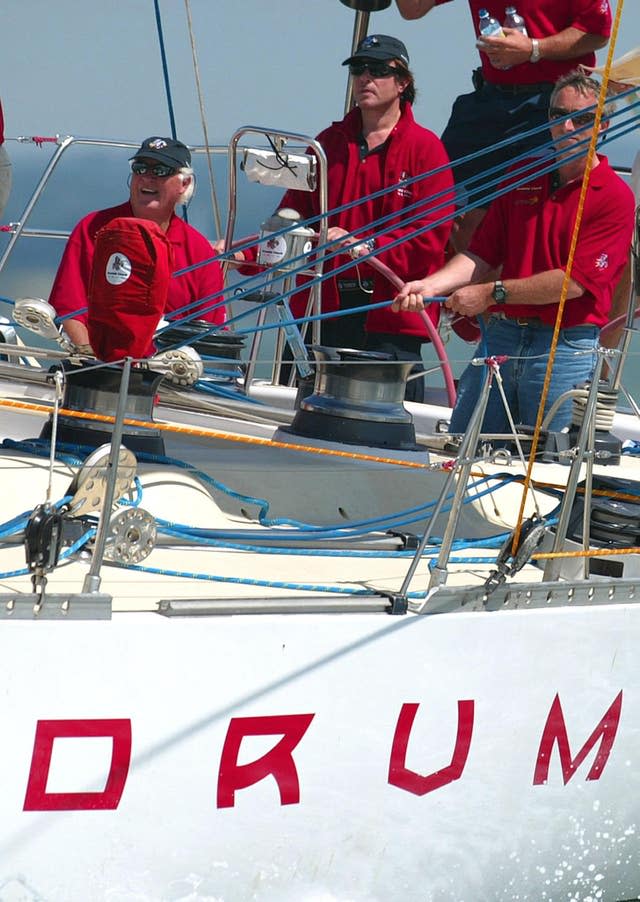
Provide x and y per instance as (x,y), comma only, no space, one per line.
(203,120)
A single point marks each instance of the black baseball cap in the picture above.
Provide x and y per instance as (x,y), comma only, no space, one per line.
(380,47)
(164,150)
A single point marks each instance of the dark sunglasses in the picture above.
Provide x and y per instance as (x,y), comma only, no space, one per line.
(160,170)
(578,118)
(375,69)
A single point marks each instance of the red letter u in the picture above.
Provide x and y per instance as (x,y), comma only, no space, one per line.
(419,784)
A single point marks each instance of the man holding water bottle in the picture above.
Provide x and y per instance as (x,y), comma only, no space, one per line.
(513,85)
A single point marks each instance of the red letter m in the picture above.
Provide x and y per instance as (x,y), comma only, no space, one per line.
(556,731)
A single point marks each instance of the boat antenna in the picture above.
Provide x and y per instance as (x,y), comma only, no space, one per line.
(360,27)
(203,120)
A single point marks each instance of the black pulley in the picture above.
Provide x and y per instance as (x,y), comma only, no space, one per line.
(367,6)
(43,538)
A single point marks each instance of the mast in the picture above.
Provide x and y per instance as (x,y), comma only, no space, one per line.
(360,26)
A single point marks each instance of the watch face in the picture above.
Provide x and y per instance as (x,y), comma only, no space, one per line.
(499,293)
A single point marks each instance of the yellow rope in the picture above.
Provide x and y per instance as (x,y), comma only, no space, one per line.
(213,433)
(592,552)
(567,276)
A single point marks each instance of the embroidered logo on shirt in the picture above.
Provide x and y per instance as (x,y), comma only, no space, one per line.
(404,190)
(528,194)
(602,262)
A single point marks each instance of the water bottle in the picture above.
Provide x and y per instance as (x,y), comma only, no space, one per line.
(514,20)
(489,26)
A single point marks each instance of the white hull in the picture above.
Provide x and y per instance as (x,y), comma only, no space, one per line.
(474,754)
(179,831)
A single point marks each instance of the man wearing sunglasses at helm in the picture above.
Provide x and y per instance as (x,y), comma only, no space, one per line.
(161,180)
(379,145)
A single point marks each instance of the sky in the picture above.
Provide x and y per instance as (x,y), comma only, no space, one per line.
(90,68)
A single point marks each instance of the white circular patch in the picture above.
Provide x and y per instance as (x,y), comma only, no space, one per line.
(272,250)
(118,269)
(307,247)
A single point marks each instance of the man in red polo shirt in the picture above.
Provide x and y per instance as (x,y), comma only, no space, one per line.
(161,179)
(379,145)
(514,84)
(527,234)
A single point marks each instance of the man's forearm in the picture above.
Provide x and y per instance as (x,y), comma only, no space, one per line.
(569,44)
(543,288)
(76,331)
(460,270)
(414,9)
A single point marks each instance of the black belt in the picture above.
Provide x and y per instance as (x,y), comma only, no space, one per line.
(522,89)
(534,321)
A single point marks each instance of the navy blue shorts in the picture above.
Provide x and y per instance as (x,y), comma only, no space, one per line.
(485,117)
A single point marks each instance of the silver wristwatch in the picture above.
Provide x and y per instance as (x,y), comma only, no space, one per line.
(535,50)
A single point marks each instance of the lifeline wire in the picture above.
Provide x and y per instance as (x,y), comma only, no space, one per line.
(602,98)
(252,283)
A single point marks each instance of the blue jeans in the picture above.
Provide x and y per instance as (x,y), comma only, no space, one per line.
(523,374)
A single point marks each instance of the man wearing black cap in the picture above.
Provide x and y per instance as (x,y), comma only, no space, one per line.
(161,180)
(379,145)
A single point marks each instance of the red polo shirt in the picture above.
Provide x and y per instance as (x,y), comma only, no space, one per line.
(529,231)
(409,151)
(69,292)
(544,18)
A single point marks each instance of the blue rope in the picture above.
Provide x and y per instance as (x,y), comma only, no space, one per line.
(547,146)
(358,528)
(545,150)
(251,283)
(165,69)
(261,583)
